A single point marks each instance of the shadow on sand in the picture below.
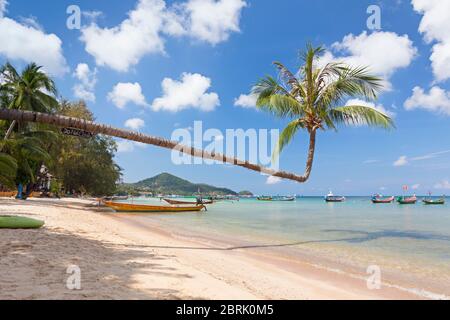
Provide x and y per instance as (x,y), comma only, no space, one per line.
(34,264)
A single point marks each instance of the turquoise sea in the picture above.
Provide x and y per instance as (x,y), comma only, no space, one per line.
(410,243)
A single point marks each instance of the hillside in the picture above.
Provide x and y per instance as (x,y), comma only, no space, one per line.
(167,183)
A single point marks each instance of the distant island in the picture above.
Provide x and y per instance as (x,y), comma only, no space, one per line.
(166,183)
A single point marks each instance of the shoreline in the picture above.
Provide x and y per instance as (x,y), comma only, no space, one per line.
(119,259)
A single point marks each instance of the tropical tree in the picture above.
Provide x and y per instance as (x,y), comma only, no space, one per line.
(314,99)
(31,90)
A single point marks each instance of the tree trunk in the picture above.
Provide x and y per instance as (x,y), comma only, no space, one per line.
(8,132)
(311,150)
(62,121)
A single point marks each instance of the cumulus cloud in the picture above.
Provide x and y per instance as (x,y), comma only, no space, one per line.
(123,46)
(213,21)
(3,4)
(370,50)
(436,100)
(124,93)
(125,146)
(380,108)
(189,92)
(28,42)
(436,28)
(134,123)
(273,180)
(87,81)
(401,161)
(246,101)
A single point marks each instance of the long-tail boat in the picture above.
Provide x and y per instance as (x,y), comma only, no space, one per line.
(407,200)
(129,207)
(283,199)
(380,199)
(434,201)
(264,198)
(171,201)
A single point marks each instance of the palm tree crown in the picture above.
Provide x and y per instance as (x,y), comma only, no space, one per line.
(314,98)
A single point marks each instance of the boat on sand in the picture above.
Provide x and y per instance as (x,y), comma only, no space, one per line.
(16,222)
(171,201)
(129,207)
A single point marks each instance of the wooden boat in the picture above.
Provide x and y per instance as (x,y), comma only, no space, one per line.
(129,207)
(263,198)
(115,198)
(407,200)
(170,201)
(379,199)
(434,201)
(330,197)
(284,199)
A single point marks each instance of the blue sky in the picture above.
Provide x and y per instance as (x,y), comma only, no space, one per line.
(124,50)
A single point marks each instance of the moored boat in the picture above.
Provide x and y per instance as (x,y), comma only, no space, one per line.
(434,201)
(330,197)
(380,199)
(264,198)
(171,201)
(407,200)
(129,207)
(283,199)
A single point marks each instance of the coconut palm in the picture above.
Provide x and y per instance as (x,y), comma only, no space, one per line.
(314,99)
(31,90)
(8,169)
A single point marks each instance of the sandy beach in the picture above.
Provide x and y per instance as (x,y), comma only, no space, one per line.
(119,260)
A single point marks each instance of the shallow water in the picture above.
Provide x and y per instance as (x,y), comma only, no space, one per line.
(411,241)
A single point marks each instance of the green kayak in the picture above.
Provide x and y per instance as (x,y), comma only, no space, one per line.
(15,222)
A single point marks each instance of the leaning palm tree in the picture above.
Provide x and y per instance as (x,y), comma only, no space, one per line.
(31,90)
(314,99)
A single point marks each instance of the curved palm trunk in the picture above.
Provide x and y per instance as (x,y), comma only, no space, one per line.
(62,121)
(311,150)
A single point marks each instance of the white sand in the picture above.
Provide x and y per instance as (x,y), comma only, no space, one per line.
(121,261)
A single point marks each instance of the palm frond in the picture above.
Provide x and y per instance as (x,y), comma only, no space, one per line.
(286,136)
(361,115)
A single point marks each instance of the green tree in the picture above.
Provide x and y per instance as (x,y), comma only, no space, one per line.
(31,90)
(84,164)
(313,99)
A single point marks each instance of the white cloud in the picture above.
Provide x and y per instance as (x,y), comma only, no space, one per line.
(246,101)
(213,21)
(380,108)
(22,41)
(436,28)
(88,79)
(430,155)
(401,161)
(123,46)
(437,100)
(134,123)
(273,180)
(3,4)
(370,161)
(371,50)
(444,184)
(124,93)
(190,92)
(125,146)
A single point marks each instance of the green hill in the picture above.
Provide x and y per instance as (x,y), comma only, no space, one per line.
(167,183)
